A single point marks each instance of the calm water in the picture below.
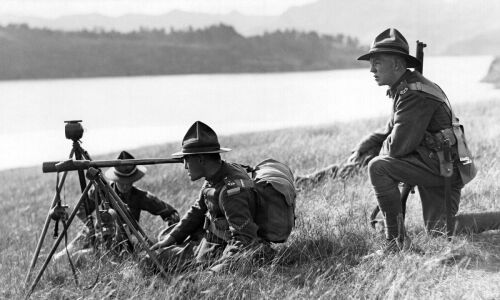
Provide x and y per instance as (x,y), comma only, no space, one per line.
(123,113)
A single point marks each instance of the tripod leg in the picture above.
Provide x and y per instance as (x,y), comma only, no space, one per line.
(79,154)
(59,239)
(102,184)
(119,202)
(44,231)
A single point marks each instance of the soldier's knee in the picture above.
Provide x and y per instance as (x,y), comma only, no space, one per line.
(376,166)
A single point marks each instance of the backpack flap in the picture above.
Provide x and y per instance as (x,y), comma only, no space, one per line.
(276,193)
(279,176)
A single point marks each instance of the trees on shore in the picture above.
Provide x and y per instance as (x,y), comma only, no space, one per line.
(30,53)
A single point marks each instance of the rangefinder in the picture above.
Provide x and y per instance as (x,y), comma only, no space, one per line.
(73,130)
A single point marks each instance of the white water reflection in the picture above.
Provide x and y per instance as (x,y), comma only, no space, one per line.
(127,112)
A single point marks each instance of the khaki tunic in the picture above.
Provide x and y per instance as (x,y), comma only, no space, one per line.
(216,229)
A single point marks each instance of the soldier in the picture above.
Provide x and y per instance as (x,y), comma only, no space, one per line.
(421,145)
(216,229)
(136,200)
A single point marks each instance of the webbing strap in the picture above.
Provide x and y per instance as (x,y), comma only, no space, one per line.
(447,206)
(436,92)
(463,153)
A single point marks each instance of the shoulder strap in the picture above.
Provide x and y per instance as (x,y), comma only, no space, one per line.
(437,92)
(247,168)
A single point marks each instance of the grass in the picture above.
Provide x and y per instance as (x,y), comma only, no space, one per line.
(323,258)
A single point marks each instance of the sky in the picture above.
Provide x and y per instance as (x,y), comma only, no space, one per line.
(56,8)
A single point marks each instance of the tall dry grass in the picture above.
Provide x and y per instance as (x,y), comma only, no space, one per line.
(323,259)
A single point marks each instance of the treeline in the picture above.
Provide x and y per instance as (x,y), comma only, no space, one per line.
(28,53)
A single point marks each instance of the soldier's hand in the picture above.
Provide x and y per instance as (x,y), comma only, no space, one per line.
(354,159)
(347,170)
(167,241)
(173,218)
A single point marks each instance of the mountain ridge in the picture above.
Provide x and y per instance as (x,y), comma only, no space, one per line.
(442,24)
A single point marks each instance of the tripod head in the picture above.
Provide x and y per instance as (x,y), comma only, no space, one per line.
(73,130)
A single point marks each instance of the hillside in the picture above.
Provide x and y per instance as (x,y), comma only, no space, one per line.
(486,43)
(28,53)
(432,21)
(493,75)
(323,259)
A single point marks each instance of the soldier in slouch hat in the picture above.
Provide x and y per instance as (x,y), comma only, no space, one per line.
(136,200)
(219,228)
(421,145)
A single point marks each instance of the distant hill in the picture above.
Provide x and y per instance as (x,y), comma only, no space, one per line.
(486,43)
(28,53)
(442,24)
(493,75)
(439,23)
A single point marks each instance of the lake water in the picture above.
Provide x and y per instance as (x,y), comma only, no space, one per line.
(128,112)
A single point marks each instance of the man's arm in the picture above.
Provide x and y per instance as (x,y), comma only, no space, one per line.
(90,202)
(189,224)
(236,206)
(157,207)
(369,146)
(375,139)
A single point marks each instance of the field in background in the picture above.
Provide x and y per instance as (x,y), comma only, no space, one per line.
(323,257)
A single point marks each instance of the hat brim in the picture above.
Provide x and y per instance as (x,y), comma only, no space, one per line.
(412,62)
(110,174)
(181,154)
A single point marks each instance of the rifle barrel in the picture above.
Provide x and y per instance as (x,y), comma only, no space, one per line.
(420,55)
(73,165)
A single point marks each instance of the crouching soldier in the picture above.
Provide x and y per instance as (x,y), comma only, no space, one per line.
(136,200)
(219,228)
(422,145)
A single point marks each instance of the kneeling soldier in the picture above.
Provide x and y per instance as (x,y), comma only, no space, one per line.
(421,145)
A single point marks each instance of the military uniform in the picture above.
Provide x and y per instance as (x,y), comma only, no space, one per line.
(220,226)
(217,227)
(406,156)
(422,145)
(135,200)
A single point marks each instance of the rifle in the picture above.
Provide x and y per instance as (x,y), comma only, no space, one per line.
(407,188)
(420,56)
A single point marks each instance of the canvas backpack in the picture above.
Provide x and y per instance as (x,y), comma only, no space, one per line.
(273,184)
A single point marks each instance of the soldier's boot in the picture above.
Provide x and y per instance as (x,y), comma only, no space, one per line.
(477,222)
(396,239)
(394,233)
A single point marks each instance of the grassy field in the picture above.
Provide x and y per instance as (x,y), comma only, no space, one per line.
(323,259)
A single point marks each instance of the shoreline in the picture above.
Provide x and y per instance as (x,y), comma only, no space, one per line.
(174,140)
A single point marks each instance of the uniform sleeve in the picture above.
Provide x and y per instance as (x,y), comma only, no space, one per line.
(412,115)
(155,206)
(90,202)
(236,208)
(374,140)
(192,221)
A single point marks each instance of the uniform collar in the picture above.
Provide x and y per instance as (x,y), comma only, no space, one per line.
(219,175)
(123,196)
(394,88)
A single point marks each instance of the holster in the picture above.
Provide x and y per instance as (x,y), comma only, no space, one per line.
(442,143)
